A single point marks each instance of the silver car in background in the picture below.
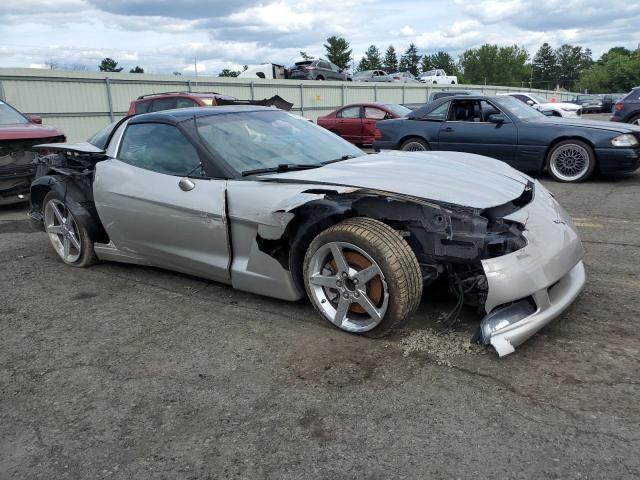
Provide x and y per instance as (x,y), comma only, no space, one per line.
(272,204)
(371,76)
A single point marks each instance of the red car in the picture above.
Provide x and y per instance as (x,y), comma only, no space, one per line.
(356,123)
(155,102)
(19,132)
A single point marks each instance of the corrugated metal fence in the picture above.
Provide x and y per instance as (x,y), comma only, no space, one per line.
(82,103)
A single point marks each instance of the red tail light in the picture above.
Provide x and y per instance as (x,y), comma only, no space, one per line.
(619,106)
(377,134)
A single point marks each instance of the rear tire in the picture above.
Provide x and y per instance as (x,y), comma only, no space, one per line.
(68,237)
(362,277)
(414,145)
(571,161)
(635,120)
(319,77)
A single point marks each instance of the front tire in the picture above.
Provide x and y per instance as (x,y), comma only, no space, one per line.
(362,277)
(414,145)
(571,161)
(635,120)
(68,237)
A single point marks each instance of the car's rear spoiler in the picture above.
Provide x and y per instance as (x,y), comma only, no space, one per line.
(82,148)
(275,101)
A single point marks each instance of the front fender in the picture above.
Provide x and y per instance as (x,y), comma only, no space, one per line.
(77,194)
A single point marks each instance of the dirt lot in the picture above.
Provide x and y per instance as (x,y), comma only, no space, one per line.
(133,373)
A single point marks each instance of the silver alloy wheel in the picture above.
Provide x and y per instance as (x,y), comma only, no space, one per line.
(341,290)
(569,162)
(414,147)
(63,231)
(636,121)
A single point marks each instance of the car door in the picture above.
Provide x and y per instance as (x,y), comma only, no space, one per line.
(468,129)
(370,118)
(349,123)
(155,201)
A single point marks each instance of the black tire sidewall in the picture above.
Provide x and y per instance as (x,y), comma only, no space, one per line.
(592,160)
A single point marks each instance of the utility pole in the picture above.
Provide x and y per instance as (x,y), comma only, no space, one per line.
(195,68)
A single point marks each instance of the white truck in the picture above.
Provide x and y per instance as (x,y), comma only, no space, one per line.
(266,70)
(437,77)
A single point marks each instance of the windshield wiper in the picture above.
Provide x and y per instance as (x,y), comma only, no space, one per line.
(343,157)
(283,167)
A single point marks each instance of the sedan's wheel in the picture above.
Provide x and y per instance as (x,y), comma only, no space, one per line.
(635,120)
(69,238)
(414,145)
(319,77)
(362,276)
(571,161)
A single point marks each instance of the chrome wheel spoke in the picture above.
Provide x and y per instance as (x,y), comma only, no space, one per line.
(55,229)
(364,301)
(323,280)
(66,244)
(338,256)
(74,241)
(58,215)
(368,274)
(341,311)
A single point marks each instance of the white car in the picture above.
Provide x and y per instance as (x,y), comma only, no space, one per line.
(558,109)
(438,77)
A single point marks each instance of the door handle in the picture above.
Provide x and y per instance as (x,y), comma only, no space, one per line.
(186,184)
(448,129)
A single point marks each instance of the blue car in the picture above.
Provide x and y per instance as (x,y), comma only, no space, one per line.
(509,130)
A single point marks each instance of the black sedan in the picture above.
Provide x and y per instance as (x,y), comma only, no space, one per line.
(506,129)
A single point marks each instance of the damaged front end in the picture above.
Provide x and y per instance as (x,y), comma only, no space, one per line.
(518,263)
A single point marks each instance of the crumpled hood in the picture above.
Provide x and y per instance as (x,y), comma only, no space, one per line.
(452,177)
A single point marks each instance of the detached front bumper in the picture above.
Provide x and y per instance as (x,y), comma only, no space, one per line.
(532,286)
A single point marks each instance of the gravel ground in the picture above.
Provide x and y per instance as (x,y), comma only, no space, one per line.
(125,372)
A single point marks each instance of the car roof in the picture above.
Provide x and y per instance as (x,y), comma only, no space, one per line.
(181,114)
(192,94)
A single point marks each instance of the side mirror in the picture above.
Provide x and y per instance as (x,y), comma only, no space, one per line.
(497,118)
(37,119)
(530,103)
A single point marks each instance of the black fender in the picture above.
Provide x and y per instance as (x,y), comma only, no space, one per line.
(77,194)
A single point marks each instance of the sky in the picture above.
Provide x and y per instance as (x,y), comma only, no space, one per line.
(165,36)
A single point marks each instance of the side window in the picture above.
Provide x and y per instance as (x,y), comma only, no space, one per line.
(522,98)
(374,113)
(439,113)
(323,65)
(466,111)
(487,110)
(143,107)
(185,103)
(164,104)
(161,148)
(349,112)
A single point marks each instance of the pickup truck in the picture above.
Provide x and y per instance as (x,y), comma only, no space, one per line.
(437,76)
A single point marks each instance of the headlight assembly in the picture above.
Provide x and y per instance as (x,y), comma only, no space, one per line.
(625,140)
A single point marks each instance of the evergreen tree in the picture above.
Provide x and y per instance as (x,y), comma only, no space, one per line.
(440,60)
(305,56)
(372,59)
(390,62)
(410,60)
(338,51)
(544,68)
(570,65)
(137,70)
(109,65)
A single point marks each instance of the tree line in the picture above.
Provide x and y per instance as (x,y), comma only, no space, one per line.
(569,67)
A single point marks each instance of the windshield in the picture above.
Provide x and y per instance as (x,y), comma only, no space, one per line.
(538,98)
(100,139)
(400,110)
(10,116)
(521,110)
(269,138)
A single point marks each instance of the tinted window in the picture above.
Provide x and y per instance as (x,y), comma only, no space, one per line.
(161,148)
(440,112)
(142,107)
(164,104)
(374,113)
(350,112)
(522,98)
(9,116)
(185,103)
(323,65)
(100,139)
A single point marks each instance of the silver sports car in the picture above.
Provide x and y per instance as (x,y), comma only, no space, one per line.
(270,203)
